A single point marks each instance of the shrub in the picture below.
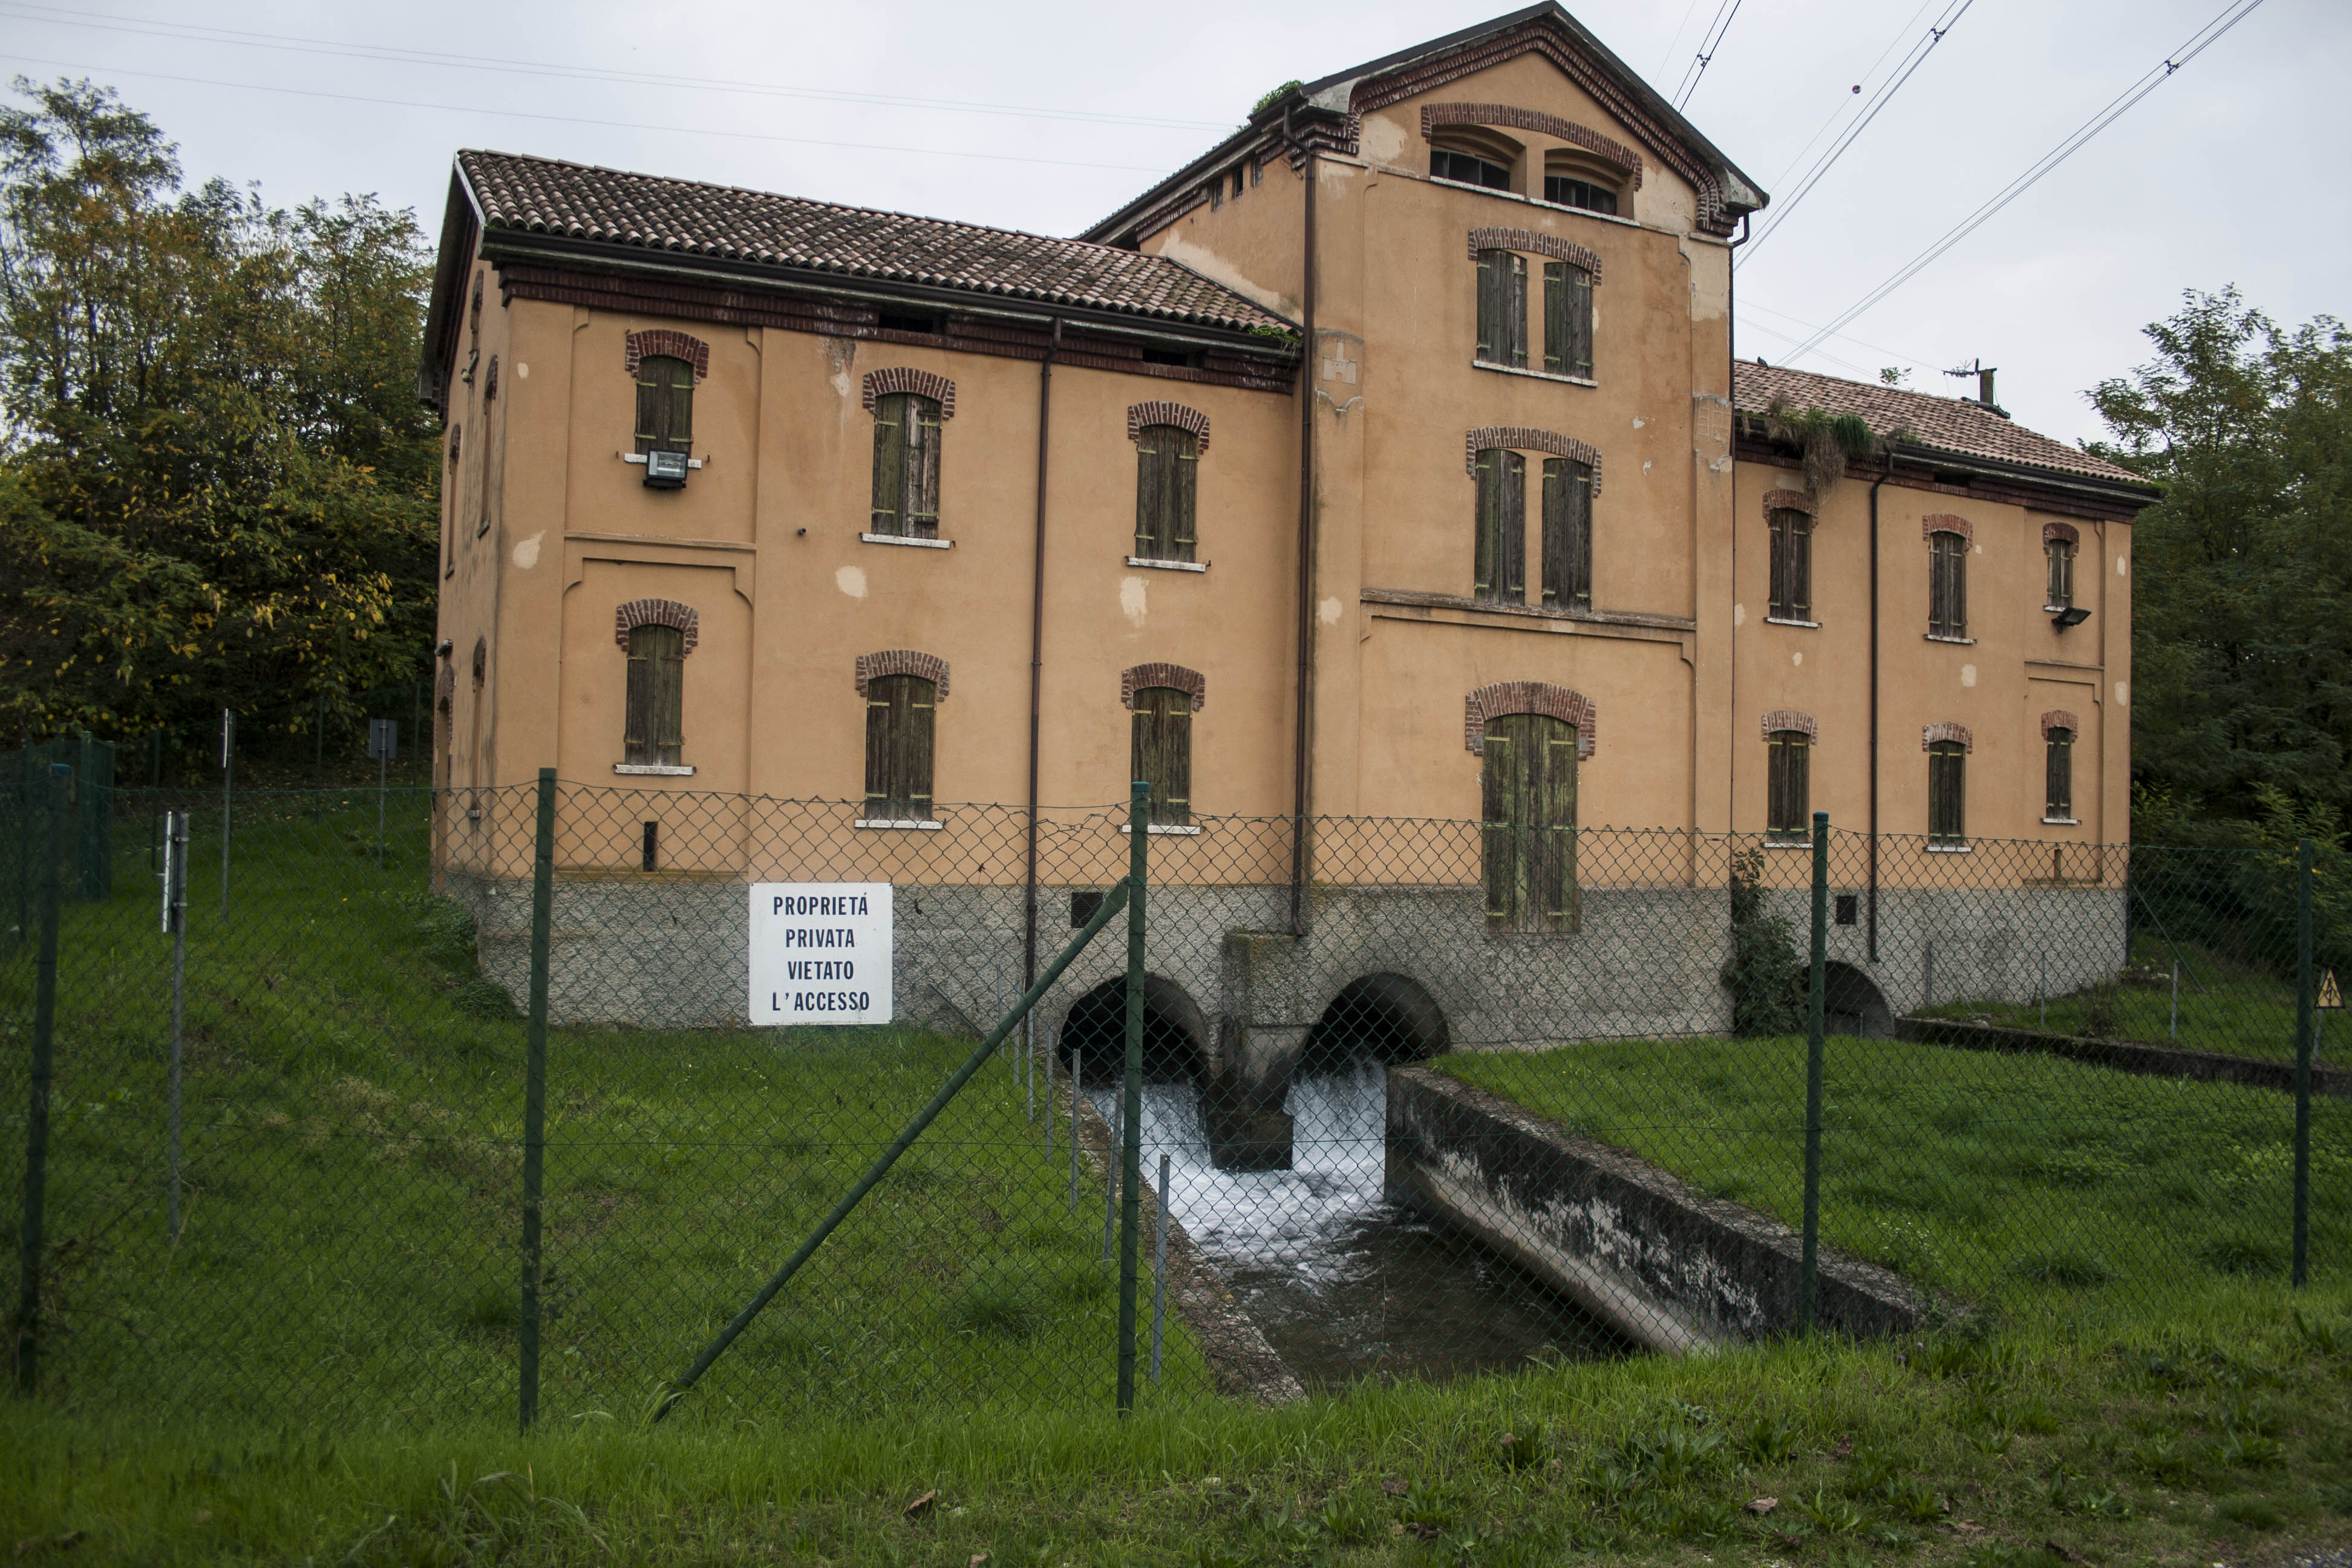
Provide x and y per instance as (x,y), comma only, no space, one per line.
(1766,978)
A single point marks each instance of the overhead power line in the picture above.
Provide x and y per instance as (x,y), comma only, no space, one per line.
(1846,102)
(1708,43)
(185,32)
(576,119)
(2203,39)
(1953,11)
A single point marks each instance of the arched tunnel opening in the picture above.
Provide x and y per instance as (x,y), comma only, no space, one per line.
(1853,1004)
(1093,1033)
(1380,1018)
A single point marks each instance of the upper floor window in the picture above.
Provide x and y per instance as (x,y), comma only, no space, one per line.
(2060,561)
(1788,793)
(653,724)
(1948,793)
(1469,168)
(665,403)
(1947,584)
(1499,569)
(1578,191)
(898,714)
(2058,792)
(1167,470)
(1567,320)
(907,465)
(1160,751)
(1792,564)
(1503,308)
(1566,533)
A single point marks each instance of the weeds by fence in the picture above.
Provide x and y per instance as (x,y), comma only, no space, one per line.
(1472,1095)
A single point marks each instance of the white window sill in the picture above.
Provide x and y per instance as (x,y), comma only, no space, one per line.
(1515,196)
(1771,842)
(1961,642)
(1157,828)
(1539,374)
(907,538)
(1951,848)
(2062,822)
(639,458)
(900,825)
(654,770)
(2057,609)
(1784,621)
(1156,565)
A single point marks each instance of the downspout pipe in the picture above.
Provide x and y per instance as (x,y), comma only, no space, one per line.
(1301,796)
(1730,393)
(1872,938)
(1037,650)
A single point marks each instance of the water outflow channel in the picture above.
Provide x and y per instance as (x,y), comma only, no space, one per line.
(1344,1284)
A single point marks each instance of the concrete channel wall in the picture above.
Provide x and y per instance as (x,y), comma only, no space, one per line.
(1672,1270)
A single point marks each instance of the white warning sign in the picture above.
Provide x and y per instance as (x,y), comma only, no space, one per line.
(820,953)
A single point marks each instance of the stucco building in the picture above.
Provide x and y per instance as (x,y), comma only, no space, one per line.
(1387,461)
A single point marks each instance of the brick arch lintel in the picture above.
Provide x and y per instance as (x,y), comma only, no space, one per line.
(906,378)
(1508,697)
(671,341)
(1136,677)
(1781,719)
(1606,148)
(931,667)
(1932,733)
(2065,531)
(2059,719)
(1141,414)
(635,613)
(1791,500)
(1534,244)
(1937,523)
(1518,438)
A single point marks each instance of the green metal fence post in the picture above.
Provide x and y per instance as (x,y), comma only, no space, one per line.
(1808,1276)
(2302,1064)
(32,1243)
(1130,1148)
(535,1090)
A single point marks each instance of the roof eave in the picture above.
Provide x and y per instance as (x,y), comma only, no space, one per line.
(461,237)
(2133,492)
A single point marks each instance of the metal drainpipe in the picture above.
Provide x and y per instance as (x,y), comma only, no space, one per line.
(1730,391)
(1871,939)
(1037,648)
(1300,795)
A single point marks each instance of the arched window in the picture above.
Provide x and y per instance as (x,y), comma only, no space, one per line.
(665,403)
(652,732)
(1570,181)
(1566,533)
(1502,308)
(1160,751)
(1788,806)
(1500,566)
(1792,564)
(1947,584)
(2058,744)
(898,714)
(1474,158)
(1528,787)
(907,465)
(1167,470)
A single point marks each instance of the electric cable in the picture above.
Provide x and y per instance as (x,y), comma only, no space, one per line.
(1707,51)
(1847,102)
(2203,38)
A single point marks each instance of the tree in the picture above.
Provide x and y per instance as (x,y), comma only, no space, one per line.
(219,489)
(2241,574)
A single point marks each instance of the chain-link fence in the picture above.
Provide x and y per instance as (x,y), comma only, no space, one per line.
(1427,1097)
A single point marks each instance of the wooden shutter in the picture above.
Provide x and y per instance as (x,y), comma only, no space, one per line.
(665,404)
(1567,320)
(2061,574)
(1792,564)
(652,726)
(1553,878)
(922,467)
(1499,783)
(1183,489)
(2061,781)
(1511,529)
(899,710)
(1556,359)
(1527,784)
(1486,578)
(1947,793)
(1162,751)
(1789,811)
(890,463)
(1566,533)
(1515,312)
(1166,484)
(1494,269)
(1947,582)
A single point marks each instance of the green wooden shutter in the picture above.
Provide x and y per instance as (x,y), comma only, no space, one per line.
(2061,790)
(1555,527)
(1947,793)
(1512,530)
(652,729)
(1150,493)
(913,710)
(1553,877)
(636,723)
(1486,582)
(1556,349)
(922,467)
(878,748)
(1498,780)
(1580,322)
(1183,491)
(1515,312)
(1800,566)
(1160,751)
(665,404)
(1566,533)
(1492,267)
(890,463)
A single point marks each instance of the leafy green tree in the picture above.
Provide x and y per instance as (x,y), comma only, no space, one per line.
(218,488)
(2241,574)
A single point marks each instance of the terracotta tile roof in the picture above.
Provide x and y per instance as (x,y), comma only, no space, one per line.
(1944,424)
(543,196)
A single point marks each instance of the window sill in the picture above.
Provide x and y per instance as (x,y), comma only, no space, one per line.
(1782,841)
(1167,565)
(900,824)
(654,770)
(1961,642)
(1157,828)
(1784,621)
(2056,610)
(907,538)
(1538,374)
(2062,822)
(639,458)
(1951,848)
(1515,196)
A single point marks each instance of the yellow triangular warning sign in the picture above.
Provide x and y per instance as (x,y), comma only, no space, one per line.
(2330,994)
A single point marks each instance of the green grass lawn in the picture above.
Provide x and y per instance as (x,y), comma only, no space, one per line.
(2036,1184)
(353,1113)
(2224,1008)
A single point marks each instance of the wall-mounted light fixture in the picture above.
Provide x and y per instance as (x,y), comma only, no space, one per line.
(2072,615)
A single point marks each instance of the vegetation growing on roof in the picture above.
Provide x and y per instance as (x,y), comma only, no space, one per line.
(1826,440)
(1277,96)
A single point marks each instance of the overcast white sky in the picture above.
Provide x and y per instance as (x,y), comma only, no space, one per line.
(2213,180)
